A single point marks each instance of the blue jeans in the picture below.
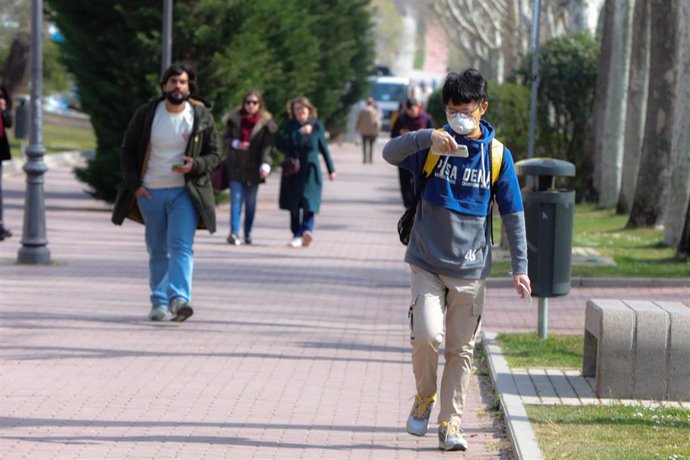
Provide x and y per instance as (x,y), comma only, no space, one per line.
(171,221)
(305,224)
(242,194)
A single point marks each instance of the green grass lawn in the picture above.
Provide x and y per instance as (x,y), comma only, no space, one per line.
(637,252)
(611,432)
(59,139)
(594,432)
(528,350)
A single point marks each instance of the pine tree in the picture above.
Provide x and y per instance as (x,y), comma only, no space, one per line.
(114,65)
(285,48)
(346,46)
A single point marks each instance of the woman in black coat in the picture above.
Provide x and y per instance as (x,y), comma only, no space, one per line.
(248,145)
(5,122)
(303,138)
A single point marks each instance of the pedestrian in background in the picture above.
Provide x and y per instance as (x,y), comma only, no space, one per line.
(303,138)
(421,92)
(248,144)
(5,122)
(368,126)
(411,119)
(449,251)
(168,151)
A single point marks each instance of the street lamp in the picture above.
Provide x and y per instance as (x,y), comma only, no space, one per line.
(167,35)
(534,74)
(34,248)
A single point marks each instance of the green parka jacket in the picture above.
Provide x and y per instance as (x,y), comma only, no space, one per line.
(202,147)
(303,190)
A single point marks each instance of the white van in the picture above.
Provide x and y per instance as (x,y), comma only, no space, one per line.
(388,92)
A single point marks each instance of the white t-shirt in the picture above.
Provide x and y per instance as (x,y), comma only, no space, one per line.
(169,135)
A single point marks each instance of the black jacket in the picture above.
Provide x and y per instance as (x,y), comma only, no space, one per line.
(4,142)
(243,165)
(202,147)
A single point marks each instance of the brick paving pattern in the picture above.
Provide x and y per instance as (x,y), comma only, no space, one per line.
(291,353)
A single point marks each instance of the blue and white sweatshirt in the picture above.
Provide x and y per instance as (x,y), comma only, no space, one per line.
(451,234)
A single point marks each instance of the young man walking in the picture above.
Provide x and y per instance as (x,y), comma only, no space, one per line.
(449,251)
(168,151)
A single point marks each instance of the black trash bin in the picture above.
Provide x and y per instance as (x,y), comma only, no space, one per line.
(549,214)
(21,119)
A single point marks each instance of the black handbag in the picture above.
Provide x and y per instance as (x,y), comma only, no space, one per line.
(290,166)
(219,178)
(406,221)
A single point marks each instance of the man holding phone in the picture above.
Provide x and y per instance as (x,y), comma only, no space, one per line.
(449,251)
(168,151)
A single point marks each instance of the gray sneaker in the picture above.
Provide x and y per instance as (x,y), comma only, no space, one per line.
(160,313)
(418,421)
(181,310)
(450,436)
(234,239)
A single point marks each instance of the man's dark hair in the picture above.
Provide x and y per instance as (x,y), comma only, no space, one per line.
(411,102)
(178,68)
(471,86)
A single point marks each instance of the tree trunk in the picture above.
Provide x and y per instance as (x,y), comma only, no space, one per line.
(651,191)
(637,104)
(683,248)
(585,14)
(613,129)
(601,93)
(679,191)
(15,73)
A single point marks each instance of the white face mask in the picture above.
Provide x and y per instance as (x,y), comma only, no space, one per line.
(462,124)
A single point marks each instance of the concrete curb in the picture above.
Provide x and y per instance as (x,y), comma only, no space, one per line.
(605,282)
(518,426)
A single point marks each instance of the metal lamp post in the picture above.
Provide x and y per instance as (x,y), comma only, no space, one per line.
(534,74)
(34,248)
(543,321)
(167,35)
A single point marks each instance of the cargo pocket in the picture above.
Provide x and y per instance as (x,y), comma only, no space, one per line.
(478,298)
(477,307)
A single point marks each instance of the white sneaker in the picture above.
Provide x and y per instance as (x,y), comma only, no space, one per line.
(160,313)
(418,421)
(296,242)
(450,436)
(234,239)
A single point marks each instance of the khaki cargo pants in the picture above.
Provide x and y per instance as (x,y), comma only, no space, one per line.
(452,307)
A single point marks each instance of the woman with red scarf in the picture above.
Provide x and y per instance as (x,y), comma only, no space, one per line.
(5,122)
(248,144)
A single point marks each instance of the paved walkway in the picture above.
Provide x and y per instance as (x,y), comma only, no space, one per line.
(291,353)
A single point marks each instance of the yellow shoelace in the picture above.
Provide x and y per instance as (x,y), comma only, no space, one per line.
(451,429)
(424,404)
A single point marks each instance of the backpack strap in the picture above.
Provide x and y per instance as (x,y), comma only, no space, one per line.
(430,163)
(496,159)
(496,162)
